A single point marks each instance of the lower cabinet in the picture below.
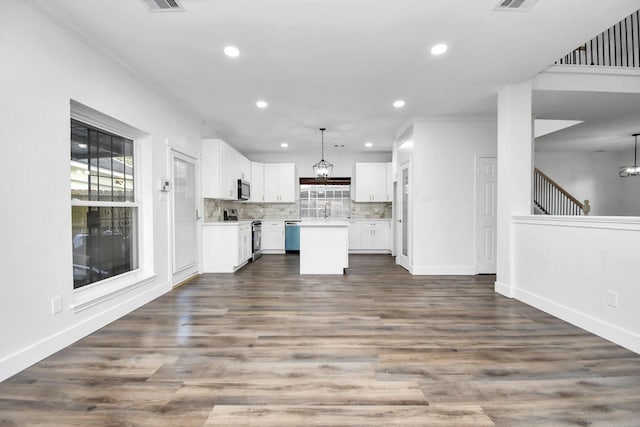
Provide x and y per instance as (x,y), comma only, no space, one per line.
(226,246)
(354,234)
(273,236)
(372,236)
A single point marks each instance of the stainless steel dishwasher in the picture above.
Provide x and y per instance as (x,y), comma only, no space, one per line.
(292,236)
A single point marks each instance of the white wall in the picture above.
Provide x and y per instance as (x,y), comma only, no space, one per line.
(594,176)
(567,268)
(43,67)
(443,192)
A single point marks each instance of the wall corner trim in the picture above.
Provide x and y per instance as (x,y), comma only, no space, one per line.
(503,289)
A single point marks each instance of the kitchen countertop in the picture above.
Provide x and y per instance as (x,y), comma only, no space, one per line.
(244,221)
(229,223)
(323,223)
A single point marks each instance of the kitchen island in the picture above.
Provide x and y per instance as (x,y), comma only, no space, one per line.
(324,247)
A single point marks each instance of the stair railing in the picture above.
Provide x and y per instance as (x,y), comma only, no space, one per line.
(619,46)
(552,199)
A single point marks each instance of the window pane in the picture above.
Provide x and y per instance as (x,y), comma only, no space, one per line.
(94,182)
(104,243)
(128,170)
(107,162)
(105,169)
(79,162)
(336,199)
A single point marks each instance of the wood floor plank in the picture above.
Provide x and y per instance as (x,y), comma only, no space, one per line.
(375,347)
(284,416)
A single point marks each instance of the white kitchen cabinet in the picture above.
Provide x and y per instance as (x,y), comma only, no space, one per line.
(257,182)
(372,182)
(373,235)
(226,246)
(273,236)
(354,235)
(243,166)
(244,242)
(219,175)
(370,235)
(279,182)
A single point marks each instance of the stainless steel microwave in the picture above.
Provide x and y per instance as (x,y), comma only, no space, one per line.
(244,190)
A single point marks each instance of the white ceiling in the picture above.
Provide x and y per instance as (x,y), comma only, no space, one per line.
(610,120)
(337,64)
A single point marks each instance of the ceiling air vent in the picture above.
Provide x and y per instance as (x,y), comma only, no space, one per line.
(164,5)
(516,5)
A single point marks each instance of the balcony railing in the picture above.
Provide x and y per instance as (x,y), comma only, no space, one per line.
(616,47)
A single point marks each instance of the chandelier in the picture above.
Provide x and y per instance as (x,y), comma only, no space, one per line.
(634,170)
(323,168)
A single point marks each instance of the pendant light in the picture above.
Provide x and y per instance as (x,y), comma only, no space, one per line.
(323,168)
(634,170)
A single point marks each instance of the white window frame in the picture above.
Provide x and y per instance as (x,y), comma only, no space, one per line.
(103,290)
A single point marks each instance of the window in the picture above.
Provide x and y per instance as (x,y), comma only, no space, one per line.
(331,199)
(104,209)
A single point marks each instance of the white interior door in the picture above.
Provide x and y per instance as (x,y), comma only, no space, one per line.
(403,224)
(184,210)
(486,206)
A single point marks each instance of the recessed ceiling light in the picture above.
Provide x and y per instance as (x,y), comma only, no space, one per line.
(368,144)
(231,51)
(262,104)
(439,49)
(399,103)
(284,145)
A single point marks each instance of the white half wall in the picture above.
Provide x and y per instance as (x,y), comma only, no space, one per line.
(443,228)
(44,66)
(575,268)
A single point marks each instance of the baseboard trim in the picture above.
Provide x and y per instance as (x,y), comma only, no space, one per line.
(191,278)
(22,359)
(443,270)
(615,334)
(503,289)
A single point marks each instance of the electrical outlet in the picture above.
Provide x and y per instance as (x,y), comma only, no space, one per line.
(56,305)
(612,299)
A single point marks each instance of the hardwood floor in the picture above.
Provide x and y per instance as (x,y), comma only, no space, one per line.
(376,347)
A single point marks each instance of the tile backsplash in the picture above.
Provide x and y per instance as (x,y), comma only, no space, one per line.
(213,210)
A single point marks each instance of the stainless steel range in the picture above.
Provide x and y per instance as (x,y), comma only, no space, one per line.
(256,239)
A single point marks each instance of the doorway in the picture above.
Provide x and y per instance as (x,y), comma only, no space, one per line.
(184,217)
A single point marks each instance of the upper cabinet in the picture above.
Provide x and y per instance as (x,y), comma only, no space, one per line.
(243,166)
(372,182)
(222,167)
(257,182)
(279,182)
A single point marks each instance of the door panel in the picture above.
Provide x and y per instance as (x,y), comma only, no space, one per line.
(404,191)
(184,213)
(486,211)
